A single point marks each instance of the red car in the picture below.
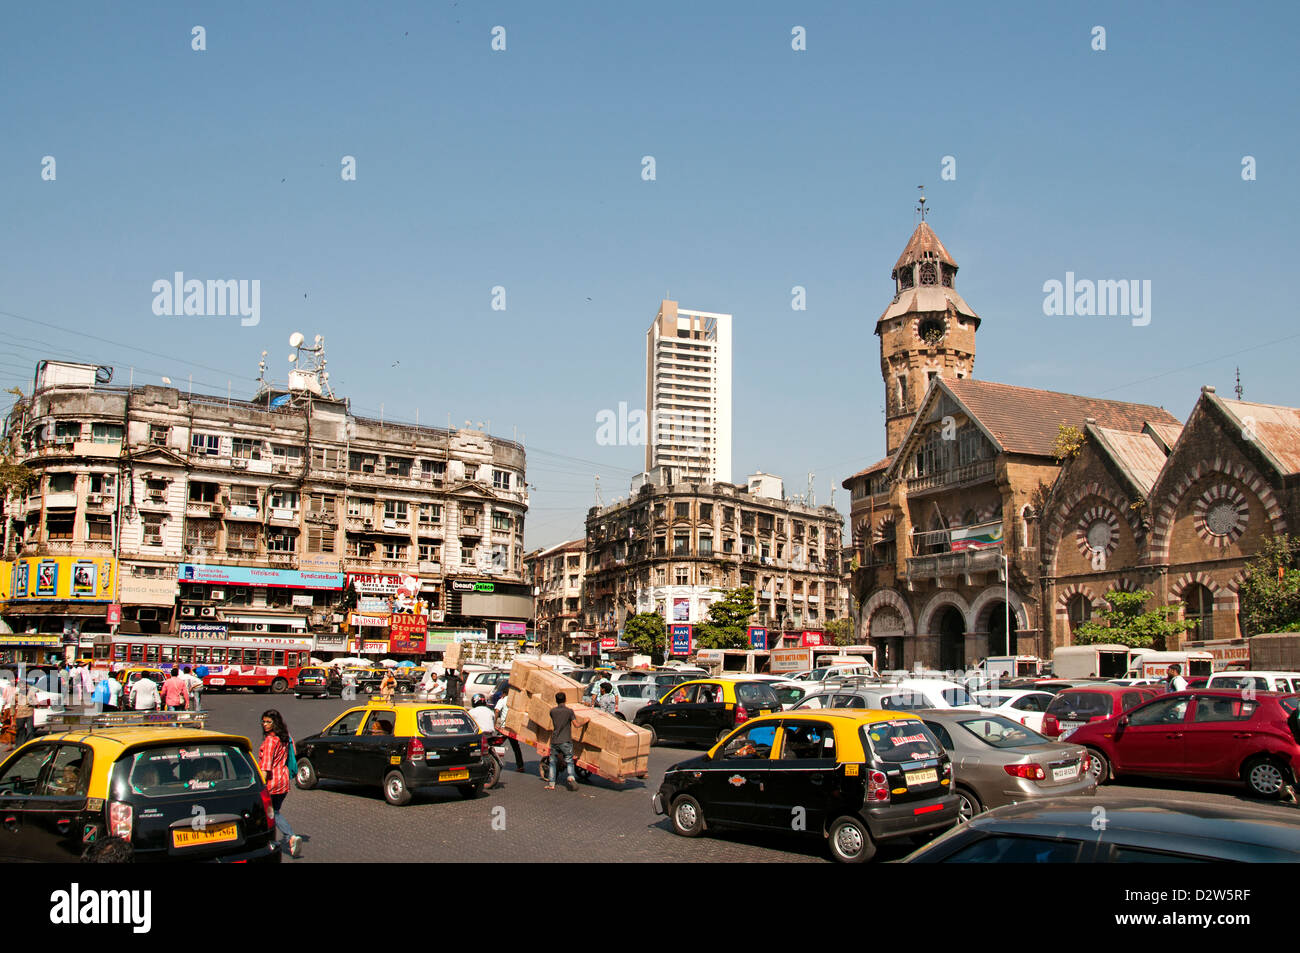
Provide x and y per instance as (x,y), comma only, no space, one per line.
(1076,707)
(1206,735)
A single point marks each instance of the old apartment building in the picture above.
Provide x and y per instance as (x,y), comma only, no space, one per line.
(670,546)
(256,516)
(557,576)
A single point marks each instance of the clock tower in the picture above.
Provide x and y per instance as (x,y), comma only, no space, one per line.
(927,331)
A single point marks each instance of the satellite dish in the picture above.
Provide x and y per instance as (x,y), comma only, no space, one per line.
(296,339)
(103,374)
(292,358)
(45,433)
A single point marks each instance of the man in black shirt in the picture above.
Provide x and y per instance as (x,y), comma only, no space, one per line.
(563,719)
(452,694)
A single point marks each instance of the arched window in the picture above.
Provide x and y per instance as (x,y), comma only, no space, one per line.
(928,274)
(1198,607)
(1080,607)
(1026,514)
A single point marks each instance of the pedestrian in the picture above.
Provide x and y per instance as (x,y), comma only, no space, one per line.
(274,756)
(114,702)
(195,684)
(607,701)
(452,692)
(387,686)
(427,683)
(176,694)
(145,695)
(1174,679)
(502,709)
(83,684)
(563,718)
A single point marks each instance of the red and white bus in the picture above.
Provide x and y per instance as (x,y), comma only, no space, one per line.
(262,663)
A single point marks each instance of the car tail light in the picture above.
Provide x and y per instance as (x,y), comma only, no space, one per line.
(414,749)
(1030,772)
(741,714)
(121,819)
(1086,764)
(269,808)
(1050,725)
(877,787)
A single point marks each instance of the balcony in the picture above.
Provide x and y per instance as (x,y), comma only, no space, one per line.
(947,565)
(970,473)
(200,510)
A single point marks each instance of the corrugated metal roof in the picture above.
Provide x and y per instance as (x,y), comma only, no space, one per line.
(1025,420)
(923,240)
(1277,429)
(1139,455)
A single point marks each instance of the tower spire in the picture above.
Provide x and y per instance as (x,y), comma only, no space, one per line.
(920,205)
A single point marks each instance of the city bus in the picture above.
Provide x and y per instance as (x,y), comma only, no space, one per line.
(262,663)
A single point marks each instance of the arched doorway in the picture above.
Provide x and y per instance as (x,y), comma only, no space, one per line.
(997,630)
(952,639)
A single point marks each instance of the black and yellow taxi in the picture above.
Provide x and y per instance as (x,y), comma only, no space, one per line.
(704,710)
(316,681)
(854,777)
(401,747)
(158,780)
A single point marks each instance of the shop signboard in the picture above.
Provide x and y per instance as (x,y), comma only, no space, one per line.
(62,577)
(256,576)
(203,630)
(410,633)
(679,639)
(758,637)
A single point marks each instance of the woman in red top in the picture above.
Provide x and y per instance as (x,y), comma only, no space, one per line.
(274,759)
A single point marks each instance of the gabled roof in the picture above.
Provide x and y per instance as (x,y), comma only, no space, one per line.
(874,468)
(1276,430)
(1165,434)
(923,240)
(1139,456)
(159,456)
(1024,420)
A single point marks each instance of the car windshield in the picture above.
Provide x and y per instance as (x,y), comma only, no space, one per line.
(957,697)
(1289,704)
(790,695)
(756,693)
(990,699)
(445,721)
(182,769)
(998,732)
(1090,704)
(900,740)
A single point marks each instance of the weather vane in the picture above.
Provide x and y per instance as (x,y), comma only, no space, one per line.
(921,205)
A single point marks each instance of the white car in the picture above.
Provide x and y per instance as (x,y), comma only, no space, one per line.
(482,683)
(912,694)
(1260,681)
(633,695)
(1026,707)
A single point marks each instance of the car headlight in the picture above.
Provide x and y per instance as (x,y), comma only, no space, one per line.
(1065,734)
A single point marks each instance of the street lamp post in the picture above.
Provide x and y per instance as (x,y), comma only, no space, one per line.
(1006,610)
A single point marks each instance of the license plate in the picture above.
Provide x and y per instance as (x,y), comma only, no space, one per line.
(928,776)
(1067,725)
(213,835)
(1065,774)
(461,775)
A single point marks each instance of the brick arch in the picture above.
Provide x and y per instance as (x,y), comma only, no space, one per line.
(1234,584)
(1181,584)
(1077,589)
(887,597)
(1061,516)
(938,601)
(983,605)
(878,533)
(1245,476)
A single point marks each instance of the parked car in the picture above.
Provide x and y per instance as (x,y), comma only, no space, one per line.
(853,778)
(318,682)
(1286,682)
(701,712)
(1024,706)
(999,761)
(1205,735)
(1076,707)
(483,683)
(143,777)
(1064,831)
(908,694)
(633,696)
(399,747)
(837,699)
(791,693)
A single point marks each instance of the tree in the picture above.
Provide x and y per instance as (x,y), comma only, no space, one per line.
(1270,593)
(1069,441)
(840,631)
(728,620)
(645,632)
(1126,623)
(15,478)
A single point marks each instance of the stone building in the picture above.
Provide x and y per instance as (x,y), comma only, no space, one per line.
(940,522)
(557,576)
(1178,511)
(254,516)
(670,546)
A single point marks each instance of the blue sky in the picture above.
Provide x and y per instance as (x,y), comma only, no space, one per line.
(522,169)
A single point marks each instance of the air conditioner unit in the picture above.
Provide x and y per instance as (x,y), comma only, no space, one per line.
(239,464)
(188,610)
(282,468)
(369,524)
(259,626)
(208,612)
(218,594)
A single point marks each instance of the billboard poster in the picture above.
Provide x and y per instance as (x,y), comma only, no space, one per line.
(512,628)
(256,576)
(679,640)
(681,610)
(114,614)
(20,579)
(409,634)
(813,638)
(609,642)
(63,577)
(758,637)
(47,578)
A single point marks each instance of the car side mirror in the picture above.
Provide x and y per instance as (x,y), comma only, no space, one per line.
(1121,725)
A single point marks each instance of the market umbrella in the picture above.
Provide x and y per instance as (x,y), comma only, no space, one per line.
(387,663)
(406,663)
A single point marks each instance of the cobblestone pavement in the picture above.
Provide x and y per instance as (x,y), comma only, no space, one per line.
(519,821)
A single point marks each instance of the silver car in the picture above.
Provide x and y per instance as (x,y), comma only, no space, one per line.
(633,696)
(996,761)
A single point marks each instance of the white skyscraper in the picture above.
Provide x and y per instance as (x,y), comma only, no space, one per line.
(688,394)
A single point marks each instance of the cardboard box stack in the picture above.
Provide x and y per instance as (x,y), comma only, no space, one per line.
(451,656)
(611,747)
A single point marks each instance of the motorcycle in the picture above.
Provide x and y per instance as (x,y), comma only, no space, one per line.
(496,754)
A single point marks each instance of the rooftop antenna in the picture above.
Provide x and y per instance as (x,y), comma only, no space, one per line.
(599,504)
(1239,383)
(812,496)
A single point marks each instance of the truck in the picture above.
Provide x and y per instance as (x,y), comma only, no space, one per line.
(1012,666)
(1102,660)
(805,658)
(1267,652)
(1148,663)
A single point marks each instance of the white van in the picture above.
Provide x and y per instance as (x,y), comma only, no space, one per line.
(1259,681)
